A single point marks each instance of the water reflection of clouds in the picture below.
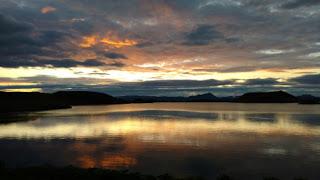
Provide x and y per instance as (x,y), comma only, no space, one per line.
(197,153)
(274,151)
(169,125)
(109,162)
(261,117)
(308,119)
(163,114)
(177,141)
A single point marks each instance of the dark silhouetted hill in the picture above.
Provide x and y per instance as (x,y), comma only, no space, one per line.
(308,99)
(208,97)
(36,101)
(86,98)
(29,101)
(267,97)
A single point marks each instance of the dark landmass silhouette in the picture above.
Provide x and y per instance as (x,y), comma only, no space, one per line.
(254,97)
(308,99)
(208,97)
(36,101)
(86,98)
(267,97)
(74,173)
(47,172)
(29,101)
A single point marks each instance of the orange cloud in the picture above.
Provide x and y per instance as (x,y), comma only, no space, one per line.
(89,41)
(48,9)
(110,40)
(118,43)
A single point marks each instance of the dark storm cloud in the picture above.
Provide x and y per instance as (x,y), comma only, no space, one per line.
(63,63)
(50,36)
(114,55)
(14,35)
(83,26)
(299,3)
(47,81)
(203,35)
(313,79)
(22,39)
(261,82)
(9,25)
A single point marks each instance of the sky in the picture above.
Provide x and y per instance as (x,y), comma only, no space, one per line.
(160,47)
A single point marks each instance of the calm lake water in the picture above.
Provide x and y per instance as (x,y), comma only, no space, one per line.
(248,141)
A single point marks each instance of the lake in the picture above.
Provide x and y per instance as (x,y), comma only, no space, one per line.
(248,141)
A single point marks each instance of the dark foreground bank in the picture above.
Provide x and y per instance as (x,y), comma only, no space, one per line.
(74,173)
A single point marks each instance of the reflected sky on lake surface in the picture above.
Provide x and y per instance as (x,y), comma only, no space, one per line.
(199,139)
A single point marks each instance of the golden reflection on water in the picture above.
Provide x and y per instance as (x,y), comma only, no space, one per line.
(259,137)
(167,130)
(109,162)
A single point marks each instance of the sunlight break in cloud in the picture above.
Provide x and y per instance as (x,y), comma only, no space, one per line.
(274,51)
(314,55)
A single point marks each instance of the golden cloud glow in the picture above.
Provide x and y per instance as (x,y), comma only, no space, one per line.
(88,41)
(8,83)
(48,9)
(24,90)
(110,40)
(118,43)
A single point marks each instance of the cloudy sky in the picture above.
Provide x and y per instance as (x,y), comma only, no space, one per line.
(160,47)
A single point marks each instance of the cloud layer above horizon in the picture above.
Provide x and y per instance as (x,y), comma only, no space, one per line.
(180,47)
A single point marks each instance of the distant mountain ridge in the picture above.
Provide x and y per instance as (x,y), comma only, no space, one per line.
(308,99)
(254,97)
(203,97)
(36,101)
(267,97)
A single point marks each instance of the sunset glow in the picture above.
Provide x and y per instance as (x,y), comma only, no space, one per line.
(108,41)
(162,41)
